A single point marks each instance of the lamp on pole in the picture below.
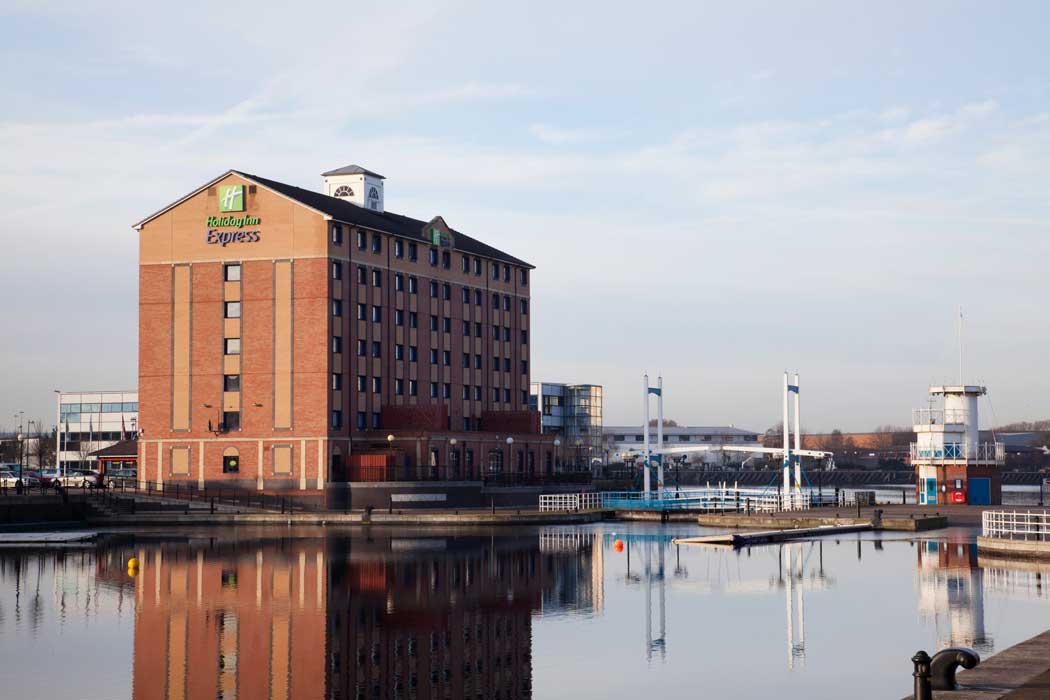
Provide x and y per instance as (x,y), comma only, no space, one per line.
(510,452)
(451,450)
(557,453)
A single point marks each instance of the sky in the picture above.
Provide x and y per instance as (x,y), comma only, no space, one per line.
(714,192)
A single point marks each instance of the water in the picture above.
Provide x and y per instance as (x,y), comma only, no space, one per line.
(606,611)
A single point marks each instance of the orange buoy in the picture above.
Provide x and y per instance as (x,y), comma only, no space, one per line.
(618,545)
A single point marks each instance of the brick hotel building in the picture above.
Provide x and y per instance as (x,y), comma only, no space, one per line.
(292,340)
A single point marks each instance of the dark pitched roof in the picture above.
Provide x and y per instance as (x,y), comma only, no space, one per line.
(124,448)
(352,170)
(386,221)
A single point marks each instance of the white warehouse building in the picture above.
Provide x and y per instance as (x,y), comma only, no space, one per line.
(622,443)
(91,420)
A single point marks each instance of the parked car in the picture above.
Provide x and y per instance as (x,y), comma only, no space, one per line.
(47,476)
(121,478)
(79,479)
(9,479)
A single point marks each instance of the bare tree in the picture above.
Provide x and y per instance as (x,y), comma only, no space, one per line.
(668,423)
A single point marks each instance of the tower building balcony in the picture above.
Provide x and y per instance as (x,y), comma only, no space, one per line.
(922,418)
(959,453)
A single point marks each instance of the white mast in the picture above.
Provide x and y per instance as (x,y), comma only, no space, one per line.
(659,430)
(645,432)
(787,441)
(798,439)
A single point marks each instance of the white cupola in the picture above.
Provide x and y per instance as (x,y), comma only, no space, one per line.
(356,185)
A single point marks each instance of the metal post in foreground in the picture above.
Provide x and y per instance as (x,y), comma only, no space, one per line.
(923,691)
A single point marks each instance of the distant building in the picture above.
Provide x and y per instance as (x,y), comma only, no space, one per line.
(951,463)
(630,441)
(572,413)
(93,420)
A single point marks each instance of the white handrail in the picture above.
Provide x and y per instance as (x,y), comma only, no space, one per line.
(1016,524)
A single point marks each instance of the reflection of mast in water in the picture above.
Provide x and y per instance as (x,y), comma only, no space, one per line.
(951,590)
(659,644)
(795,602)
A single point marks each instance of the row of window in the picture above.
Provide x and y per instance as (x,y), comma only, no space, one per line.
(123,407)
(412,386)
(362,422)
(436,257)
(442,291)
(234,348)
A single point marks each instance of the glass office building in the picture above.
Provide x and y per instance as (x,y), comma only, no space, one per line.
(93,420)
(573,413)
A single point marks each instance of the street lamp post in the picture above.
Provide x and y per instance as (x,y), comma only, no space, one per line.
(451,449)
(510,451)
(557,453)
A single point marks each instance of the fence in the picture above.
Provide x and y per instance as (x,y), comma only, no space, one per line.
(1016,524)
(710,499)
(118,499)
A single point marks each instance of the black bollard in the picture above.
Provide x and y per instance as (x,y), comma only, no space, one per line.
(946,662)
(923,690)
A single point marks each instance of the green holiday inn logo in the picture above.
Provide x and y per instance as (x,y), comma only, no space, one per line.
(231,198)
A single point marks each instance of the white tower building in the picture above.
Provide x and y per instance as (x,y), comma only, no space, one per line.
(951,463)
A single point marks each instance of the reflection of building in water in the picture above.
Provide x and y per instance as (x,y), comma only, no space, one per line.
(425,622)
(577,564)
(951,592)
(231,622)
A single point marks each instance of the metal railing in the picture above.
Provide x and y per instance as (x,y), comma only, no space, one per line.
(1016,524)
(723,499)
(939,416)
(121,498)
(981,452)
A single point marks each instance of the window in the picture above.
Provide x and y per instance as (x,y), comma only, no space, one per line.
(282,459)
(230,461)
(337,234)
(337,307)
(399,248)
(377,314)
(362,275)
(399,317)
(524,366)
(524,398)
(477,361)
(446,391)
(337,381)
(477,266)
(377,278)
(377,348)
(433,356)
(399,386)
(231,420)
(506,396)
(506,333)
(466,393)
(524,306)
(376,422)
(524,337)
(466,329)
(506,364)
(337,418)
(337,270)
(495,332)
(413,353)
(495,302)
(413,285)
(232,346)
(377,243)
(506,273)
(362,312)
(361,348)
(232,309)
(495,394)
(433,390)
(362,382)
(466,264)
(446,292)
(362,240)
(231,382)
(446,358)
(506,303)
(232,273)
(495,271)
(433,253)
(413,252)
(362,420)
(477,393)
(433,322)
(524,277)
(465,295)
(377,385)
(477,329)
(399,352)
(433,290)
(446,325)
(413,319)
(466,362)
(337,343)
(477,297)
(446,259)
(413,387)
(399,282)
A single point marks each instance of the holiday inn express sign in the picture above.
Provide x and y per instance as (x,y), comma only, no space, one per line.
(231,198)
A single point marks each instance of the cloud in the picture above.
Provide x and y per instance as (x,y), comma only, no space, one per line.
(559,136)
